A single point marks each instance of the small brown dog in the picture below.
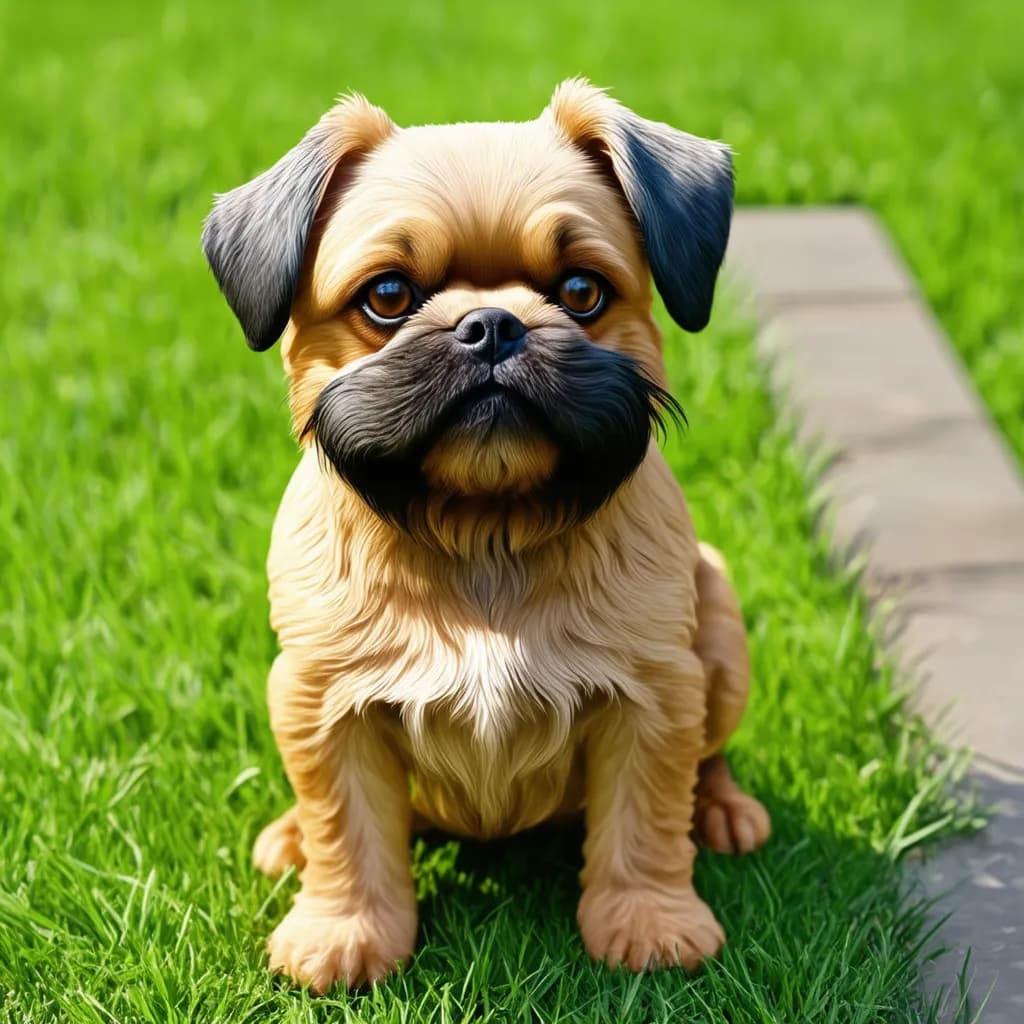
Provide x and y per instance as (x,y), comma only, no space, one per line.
(491,604)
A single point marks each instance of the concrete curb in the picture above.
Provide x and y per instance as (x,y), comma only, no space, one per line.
(921,487)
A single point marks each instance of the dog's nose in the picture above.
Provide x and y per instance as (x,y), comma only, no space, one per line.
(491,334)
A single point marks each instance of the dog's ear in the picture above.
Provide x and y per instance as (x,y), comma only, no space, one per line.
(255,236)
(679,187)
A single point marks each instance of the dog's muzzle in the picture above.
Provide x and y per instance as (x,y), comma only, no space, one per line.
(376,421)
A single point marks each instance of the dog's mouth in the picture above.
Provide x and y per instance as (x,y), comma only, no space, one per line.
(487,408)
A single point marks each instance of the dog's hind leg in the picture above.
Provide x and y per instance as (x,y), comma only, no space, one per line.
(726,819)
(279,846)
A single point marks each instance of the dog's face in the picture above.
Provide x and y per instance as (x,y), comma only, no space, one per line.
(466,308)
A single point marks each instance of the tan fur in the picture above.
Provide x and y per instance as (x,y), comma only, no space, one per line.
(493,667)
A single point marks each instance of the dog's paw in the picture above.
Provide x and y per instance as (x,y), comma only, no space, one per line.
(322,950)
(731,822)
(279,846)
(644,929)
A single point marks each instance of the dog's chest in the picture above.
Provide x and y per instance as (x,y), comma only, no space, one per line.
(491,731)
(490,715)
(489,680)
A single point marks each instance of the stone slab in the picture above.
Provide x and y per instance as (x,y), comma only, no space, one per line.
(828,358)
(981,880)
(821,252)
(960,635)
(943,499)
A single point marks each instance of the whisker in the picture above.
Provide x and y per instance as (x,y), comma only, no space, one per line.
(664,406)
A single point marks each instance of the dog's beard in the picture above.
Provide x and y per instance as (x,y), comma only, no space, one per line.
(377,422)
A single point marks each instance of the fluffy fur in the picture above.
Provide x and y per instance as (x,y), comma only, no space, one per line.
(491,605)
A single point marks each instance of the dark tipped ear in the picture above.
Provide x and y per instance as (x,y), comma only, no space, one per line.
(255,237)
(679,187)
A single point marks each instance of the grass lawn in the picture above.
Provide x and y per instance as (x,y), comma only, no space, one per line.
(143,450)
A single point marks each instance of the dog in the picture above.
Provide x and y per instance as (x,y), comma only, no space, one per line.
(491,605)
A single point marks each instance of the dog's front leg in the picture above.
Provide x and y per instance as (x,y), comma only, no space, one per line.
(355,917)
(639,906)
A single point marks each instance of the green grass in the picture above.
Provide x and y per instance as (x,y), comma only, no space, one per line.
(143,449)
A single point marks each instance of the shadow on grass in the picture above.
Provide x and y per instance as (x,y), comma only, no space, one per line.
(821,928)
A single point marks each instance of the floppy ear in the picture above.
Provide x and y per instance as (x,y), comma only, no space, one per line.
(255,236)
(679,187)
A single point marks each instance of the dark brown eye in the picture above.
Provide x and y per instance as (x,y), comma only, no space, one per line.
(390,298)
(582,295)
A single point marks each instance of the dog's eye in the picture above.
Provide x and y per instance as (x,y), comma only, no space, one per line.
(581,295)
(389,299)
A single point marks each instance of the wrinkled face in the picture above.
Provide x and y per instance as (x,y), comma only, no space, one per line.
(473,320)
(465,309)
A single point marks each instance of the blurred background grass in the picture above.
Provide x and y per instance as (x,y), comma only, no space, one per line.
(143,450)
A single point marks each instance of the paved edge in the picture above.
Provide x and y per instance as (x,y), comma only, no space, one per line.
(921,489)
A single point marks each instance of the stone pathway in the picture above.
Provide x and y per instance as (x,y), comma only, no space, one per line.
(922,489)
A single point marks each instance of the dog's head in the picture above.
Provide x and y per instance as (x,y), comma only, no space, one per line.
(466,308)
